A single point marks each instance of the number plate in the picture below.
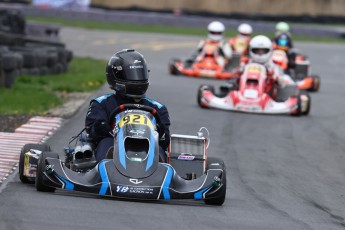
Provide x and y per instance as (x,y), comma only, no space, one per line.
(135,119)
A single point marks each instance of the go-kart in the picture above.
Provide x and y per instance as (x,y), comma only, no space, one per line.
(205,65)
(300,73)
(132,169)
(253,93)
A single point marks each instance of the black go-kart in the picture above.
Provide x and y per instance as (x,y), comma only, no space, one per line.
(132,168)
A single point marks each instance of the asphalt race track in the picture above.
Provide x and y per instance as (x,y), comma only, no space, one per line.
(283,172)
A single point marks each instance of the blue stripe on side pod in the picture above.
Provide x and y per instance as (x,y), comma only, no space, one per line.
(68,185)
(166,183)
(121,144)
(104,178)
(151,152)
(199,195)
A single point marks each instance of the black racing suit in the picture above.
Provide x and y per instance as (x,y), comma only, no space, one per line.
(98,127)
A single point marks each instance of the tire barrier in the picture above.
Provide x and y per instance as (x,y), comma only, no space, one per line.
(33,49)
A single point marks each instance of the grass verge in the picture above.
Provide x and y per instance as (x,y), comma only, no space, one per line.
(89,24)
(37,94)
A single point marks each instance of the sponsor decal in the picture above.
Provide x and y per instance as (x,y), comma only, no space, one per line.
(122,189)
(186,157)
(137,132)
(118,67)
(136,66)
(135,190)
(30,162)
(141,190)
(135,181)
(136,159)
(137,61)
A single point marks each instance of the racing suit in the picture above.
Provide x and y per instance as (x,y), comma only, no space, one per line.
(99,130)
(287,46)
(240,44)
(224,50)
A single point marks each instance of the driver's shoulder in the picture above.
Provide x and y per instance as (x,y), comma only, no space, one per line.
(103,98)
(153,103)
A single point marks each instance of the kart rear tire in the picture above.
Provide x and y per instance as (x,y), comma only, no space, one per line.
(39,184)
(316,83)
(25,149)
(200,90)
(219,200)
(172,67)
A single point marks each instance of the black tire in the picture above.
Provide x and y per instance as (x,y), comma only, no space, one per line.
(219,200)
(9,61)
(316,83)
(25,149)
(39,184)
(306,112)
(172,68)
(200,90)
(10,77)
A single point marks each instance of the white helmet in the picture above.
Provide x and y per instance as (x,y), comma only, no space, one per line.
(245,29)
(282,27)
(260,49)
(215,30)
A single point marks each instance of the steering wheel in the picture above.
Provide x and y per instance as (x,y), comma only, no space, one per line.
(123,107)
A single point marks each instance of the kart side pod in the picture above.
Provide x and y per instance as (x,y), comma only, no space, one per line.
(187,154)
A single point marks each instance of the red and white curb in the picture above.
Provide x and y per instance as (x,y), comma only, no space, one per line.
(36,130)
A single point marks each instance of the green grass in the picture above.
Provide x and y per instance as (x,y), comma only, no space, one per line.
(37,94)
(159,29)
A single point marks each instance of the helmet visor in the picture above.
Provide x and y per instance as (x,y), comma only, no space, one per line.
(260,50)
(134,89)
(215,33)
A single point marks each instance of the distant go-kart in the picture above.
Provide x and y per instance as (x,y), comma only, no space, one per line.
(300,73)
(205,65)
(254,94)
(132,169)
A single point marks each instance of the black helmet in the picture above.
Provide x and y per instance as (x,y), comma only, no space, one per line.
(127,73)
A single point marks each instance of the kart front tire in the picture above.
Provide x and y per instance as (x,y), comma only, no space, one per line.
(200,91)
(41,166)
(213,162)
(26,148)
(316,83)
(305,111)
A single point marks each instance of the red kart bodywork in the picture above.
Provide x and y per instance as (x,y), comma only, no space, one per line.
(205,65)
(253,96)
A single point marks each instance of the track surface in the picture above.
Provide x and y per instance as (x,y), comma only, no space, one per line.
(283,172)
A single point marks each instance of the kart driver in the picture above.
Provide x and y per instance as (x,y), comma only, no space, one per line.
(240,42)
(215,37)
(283,41)
(260,51)
(282,27)
(127,74)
